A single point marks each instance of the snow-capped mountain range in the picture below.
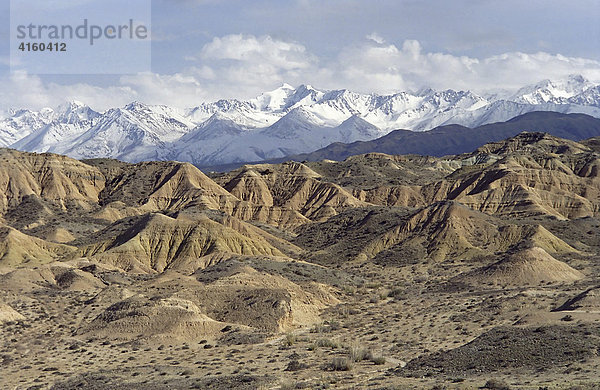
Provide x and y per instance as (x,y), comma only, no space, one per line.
(282,122)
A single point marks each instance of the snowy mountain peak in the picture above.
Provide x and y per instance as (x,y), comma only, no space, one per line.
(274,100)
(578,79)
(286,120)
(303,95)
(74,112)
(70,105)
(136,106)
(553,91)
(219,117)
(425,91)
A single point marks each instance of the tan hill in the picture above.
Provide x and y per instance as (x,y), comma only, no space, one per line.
(532,143)
(62,180)
(17,248)
(155,275)
(451,230)
(8,314)
(155,242)
(535,174)
(265,301)
(383,179)
(229,297)
(168,318)
(291,186)
(532,266)
(378,169)
(444,230)
(163,186)
(592,143)
(527,175)
(169,186)
(57,275)
(65,199)
(250,186)
(68,277)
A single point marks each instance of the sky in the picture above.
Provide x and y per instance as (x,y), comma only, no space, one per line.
(204,50)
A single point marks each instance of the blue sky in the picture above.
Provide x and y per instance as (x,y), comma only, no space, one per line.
(208,49)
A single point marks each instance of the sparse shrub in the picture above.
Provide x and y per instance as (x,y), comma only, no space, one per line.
(358,353)
(333,324)
(396,293)
(567,318)
(289,340)
(289,385)
(349,290)
(342,364)
(321,328)
(496,384)
(377,360)
(327,343)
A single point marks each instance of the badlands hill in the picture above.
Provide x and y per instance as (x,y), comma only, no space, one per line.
(373,271)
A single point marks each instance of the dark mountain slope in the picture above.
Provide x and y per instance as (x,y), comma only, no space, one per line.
(456,139)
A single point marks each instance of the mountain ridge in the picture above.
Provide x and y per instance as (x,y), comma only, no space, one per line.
(285,121)
(457,139)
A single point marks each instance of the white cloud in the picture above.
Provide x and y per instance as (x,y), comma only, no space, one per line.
(376,67)
(251,49)
(376,38)
(243,66)
(179,90)
(21,90)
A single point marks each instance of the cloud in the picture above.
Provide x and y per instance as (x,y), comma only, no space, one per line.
(21,90)
(179,90)
(379,67)
(376,38)
(250,48)
(243,66)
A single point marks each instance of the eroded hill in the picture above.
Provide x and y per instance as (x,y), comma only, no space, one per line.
(375,271)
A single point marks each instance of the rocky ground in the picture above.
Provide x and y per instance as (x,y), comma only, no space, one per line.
(378,272)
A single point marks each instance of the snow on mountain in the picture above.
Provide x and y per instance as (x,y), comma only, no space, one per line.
(74,112)
(589,97)
(218,125)
(21,123)
(284,121)
(557,91)
(425,111)
(287,97)
(357,129)
(296,124)
(132,133)
(221,141)
(68,122)
(275,100)
(48,137)
(245,114)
